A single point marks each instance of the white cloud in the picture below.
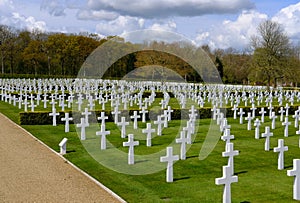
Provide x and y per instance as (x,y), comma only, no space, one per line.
(96,15)
(168,8)
(168,26)
(28,23)
(120,25)
(54,7)
(235,34)
(289,18)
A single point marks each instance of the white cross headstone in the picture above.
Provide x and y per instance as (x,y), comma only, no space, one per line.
(241,113)
(273,118)
(267,134)
(86,114)
(281,111)
(159,123)
(286,124)
(130,143)
(82,125)
(226,180)
(102,118)
(54,114)
(169,111)
(135,117)
(253,108)
(234,109)
(189,131)
(183,141)
(287,109)
(281,149)
(296,116)
(143,112)
(249,119)
(230,153)
(295,172)
(67,120)
(257,124)
(103,134)
(262,112)
(123,125)
(148,132)
(226,137)
(169,158)
(116,112)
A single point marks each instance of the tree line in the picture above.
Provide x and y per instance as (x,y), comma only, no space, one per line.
(270,58)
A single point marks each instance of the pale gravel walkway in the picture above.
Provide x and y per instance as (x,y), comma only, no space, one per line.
(30,172)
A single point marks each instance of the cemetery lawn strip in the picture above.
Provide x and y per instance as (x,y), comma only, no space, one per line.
(194,180)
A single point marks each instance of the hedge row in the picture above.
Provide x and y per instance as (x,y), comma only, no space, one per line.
(43,118)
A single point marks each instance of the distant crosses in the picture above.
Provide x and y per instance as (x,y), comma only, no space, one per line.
(148,132)
(281,149)
(82,125)
(267,134)
(295,172)
(123,125)
(241,113)
(169,158)
(249,119)
(67,120)
(103,134)
(262,113)
(183,141)
(54,115)
(226,180)
(130,143)
(286,124)
(257,124)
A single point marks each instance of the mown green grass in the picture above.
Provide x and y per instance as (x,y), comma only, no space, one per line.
(194,179)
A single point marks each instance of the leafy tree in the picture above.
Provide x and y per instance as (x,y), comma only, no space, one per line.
(272,48)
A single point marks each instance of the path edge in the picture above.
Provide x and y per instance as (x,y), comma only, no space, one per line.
(67,161)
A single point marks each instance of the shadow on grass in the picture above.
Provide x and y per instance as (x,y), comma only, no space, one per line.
(182,178)
(290,166)
(71,151)
(194,156)
(240,172)
(140,161)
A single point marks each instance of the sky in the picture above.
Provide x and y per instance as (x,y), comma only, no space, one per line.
(218,23)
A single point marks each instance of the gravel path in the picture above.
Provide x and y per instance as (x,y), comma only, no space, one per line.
(30,172)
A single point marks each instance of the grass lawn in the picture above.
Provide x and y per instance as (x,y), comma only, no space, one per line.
(194,179)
